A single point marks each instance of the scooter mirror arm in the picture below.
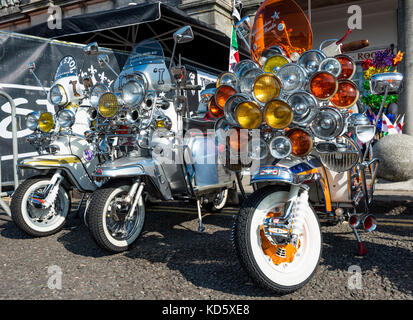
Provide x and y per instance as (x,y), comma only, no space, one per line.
(38,81)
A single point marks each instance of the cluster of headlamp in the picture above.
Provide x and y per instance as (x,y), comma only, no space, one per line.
(296,101)
(46,121)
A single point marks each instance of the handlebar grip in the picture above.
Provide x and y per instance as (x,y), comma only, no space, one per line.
(355,45)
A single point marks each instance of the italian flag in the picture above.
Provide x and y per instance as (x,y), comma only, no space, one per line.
(233,51)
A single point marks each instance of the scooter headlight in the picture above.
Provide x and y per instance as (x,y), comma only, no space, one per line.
(65,118)
(96,92)
(302,142)
(57,95)
(328,124)
(293,78)
(365,133)
(32,120)
(108,105)
(311,60)
(257,149)
(227,78)
(331,65)
(323,85)
(348,67)
(248,115)
(46,122)
(133,93)
(214,109)
(247,81)
(222,94)
(266,87)
(274,63)
(243,67)
(347,94)
(305,107)
(231,105)
(278,114)
(280,147)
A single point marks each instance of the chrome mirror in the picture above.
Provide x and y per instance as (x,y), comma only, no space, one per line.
(32,66)
(244,27)
(183,35)
(103,60)
(91,49)
(393,81)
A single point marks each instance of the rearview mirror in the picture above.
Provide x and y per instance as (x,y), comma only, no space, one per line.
(103,60)
(91,49)
(244,27)
(183,35)
(392,80)
(32,66)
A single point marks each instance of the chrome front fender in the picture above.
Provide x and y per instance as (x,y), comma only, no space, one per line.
(133,167)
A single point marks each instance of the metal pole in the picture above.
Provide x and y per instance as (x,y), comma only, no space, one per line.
(14,136)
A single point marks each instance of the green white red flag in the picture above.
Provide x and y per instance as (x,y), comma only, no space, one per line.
(233,52)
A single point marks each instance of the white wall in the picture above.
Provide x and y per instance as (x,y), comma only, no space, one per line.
(379,23)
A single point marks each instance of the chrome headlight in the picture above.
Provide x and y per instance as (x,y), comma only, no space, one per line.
(305,107)
(247,81)
(32,120)
(328,124)
(96,92)
(257,149)
(331,65)
(293,78)
(311,60)
(65,118)
(231,105)
(280,147)
(57,95)
(133,93)
(227,78)
(365,133)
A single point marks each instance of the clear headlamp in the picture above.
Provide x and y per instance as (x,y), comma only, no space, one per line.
(133,93)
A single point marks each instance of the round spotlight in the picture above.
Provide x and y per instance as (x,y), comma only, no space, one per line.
(108,105)
(228,79)
(243,67)
(278,114)
(328,124)
(266,87)
(323,85)
(293,78)
(248,115)
(331,65)
(222,94)
(247,81)
(274,63)
(231,105)
(214,109)
(347,94)
(305,107)
(280,147)
(311,60)
(302,142)
(348,67)
(257,149)
(46,122)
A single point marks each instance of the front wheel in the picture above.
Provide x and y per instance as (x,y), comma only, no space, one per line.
(264,245)
(218,202)
(28,213)
(108,219)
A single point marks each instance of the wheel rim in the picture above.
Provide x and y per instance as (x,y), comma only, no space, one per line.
(122,231)
(40,219)
(305,259)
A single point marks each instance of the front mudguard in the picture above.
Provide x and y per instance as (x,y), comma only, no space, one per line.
(134,167)
(71,165)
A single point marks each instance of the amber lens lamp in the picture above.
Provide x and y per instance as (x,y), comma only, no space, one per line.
(346,96)
(323,85)
(302,142)
(278,114)
(266,87)
(248,115)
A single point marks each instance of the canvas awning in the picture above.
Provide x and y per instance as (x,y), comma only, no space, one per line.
(122,28)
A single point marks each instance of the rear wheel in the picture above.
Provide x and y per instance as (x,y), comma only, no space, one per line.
(108,218)
(275,262)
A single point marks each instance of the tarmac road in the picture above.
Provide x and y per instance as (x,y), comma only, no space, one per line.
(173,261)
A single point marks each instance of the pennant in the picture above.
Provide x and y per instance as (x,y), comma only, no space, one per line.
(233,52)
(388,126)
(400,125)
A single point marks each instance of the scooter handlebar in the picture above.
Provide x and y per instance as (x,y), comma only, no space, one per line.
(355,45)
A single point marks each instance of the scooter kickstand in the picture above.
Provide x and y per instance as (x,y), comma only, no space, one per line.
(77,213)
(201,227)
